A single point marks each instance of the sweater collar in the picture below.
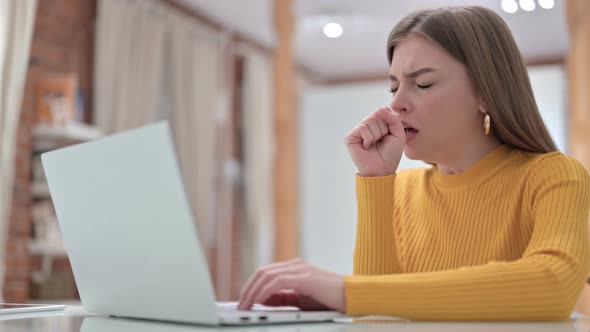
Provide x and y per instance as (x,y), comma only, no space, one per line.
(481,170)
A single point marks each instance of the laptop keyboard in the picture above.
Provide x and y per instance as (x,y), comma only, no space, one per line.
(227,306)
(233,306)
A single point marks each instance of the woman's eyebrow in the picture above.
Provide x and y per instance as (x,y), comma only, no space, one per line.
(413,74)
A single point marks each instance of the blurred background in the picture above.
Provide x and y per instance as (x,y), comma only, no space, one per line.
(260,95)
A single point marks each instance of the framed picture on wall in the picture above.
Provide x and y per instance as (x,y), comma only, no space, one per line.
(56,99)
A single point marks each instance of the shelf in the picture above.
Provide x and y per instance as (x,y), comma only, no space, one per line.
(47,249)
(48,252)
(49,137)
(40,190)
(49,246)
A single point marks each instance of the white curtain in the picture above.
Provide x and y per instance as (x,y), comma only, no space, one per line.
(258,138)
(198,94)
(17,19)
(128,64)
(153,62)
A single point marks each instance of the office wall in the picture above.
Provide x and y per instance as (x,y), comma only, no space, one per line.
(550,89)
(327,188)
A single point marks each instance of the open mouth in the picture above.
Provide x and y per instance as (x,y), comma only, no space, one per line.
(411,131)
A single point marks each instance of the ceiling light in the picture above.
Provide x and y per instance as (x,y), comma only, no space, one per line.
(547,4)
(527,5)
(333,30)
(509,6)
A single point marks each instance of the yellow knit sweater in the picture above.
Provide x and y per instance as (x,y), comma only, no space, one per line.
(505,240)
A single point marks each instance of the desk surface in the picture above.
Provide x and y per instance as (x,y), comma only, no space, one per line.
(75,319)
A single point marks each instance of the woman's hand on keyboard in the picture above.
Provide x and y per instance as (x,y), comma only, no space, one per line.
(291,298)
(294,283)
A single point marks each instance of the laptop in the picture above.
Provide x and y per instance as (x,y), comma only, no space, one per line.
(104,324)
(130,236)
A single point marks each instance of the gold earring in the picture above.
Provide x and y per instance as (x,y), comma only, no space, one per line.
(487,122)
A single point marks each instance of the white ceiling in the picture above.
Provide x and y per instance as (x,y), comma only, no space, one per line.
(360,51)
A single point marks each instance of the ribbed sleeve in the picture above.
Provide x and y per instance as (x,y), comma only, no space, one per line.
(375,250)
(543,284)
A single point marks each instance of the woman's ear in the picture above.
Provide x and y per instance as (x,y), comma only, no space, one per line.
(482,107)
(483,110)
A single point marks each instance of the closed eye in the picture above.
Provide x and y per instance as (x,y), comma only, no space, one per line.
(421,86)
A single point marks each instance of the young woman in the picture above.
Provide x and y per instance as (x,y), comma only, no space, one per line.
(496,229)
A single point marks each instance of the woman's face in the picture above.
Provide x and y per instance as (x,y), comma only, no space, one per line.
(434,95)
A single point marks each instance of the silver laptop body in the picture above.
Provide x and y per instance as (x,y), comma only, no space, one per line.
(130,236)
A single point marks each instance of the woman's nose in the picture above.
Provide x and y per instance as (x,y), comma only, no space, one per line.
(399,104)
